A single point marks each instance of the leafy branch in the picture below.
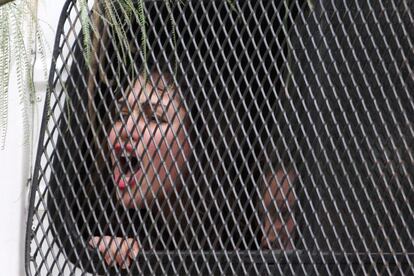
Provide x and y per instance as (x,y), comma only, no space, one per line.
(4,72)
(16,43)
(111,13)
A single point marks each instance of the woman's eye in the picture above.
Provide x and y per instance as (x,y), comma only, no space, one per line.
(121,115)
(157,118)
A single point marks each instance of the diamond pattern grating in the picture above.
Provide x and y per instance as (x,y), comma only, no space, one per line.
(228,137)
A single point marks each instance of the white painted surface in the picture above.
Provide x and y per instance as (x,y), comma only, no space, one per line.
(16,159)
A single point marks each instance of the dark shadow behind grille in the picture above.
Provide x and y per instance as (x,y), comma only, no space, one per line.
(327,93)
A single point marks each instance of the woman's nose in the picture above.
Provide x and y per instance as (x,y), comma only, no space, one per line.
(129,131)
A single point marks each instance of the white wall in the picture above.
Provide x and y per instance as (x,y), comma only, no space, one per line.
(16,159)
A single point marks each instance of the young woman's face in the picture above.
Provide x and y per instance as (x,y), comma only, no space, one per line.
(150,148)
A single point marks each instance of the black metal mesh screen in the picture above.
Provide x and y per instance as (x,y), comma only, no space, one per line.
(228,137)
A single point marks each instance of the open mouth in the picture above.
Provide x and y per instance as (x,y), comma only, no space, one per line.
(128,165)
(127,171)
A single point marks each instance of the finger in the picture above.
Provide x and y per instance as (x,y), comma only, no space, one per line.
(134,249)
(103,246)
(122,253)
(126,263)
(116,251)
(95,241)
(127,249)
(92,242)
(108,259)
(110,251)
(105,249)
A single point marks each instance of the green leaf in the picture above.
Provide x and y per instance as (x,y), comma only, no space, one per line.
(4,73)
(14,36)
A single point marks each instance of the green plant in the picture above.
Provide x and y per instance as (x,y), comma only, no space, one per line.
(111,13)
(12,43)
(20,37)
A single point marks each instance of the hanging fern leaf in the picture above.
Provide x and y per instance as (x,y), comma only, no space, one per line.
(14,38)
(311,4)
(23,71)
(84,17)
(232,4)
(4,73)
(142,24)
(111,13)
(168,4)
(41,47)
(119,27)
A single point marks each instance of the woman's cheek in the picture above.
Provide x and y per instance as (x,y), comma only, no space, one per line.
(176,141)
(155,168)
(168,161)
(112,141)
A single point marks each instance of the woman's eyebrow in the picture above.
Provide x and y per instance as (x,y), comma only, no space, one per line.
(121,101)
(154,105)
(145,104)
(161,83)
